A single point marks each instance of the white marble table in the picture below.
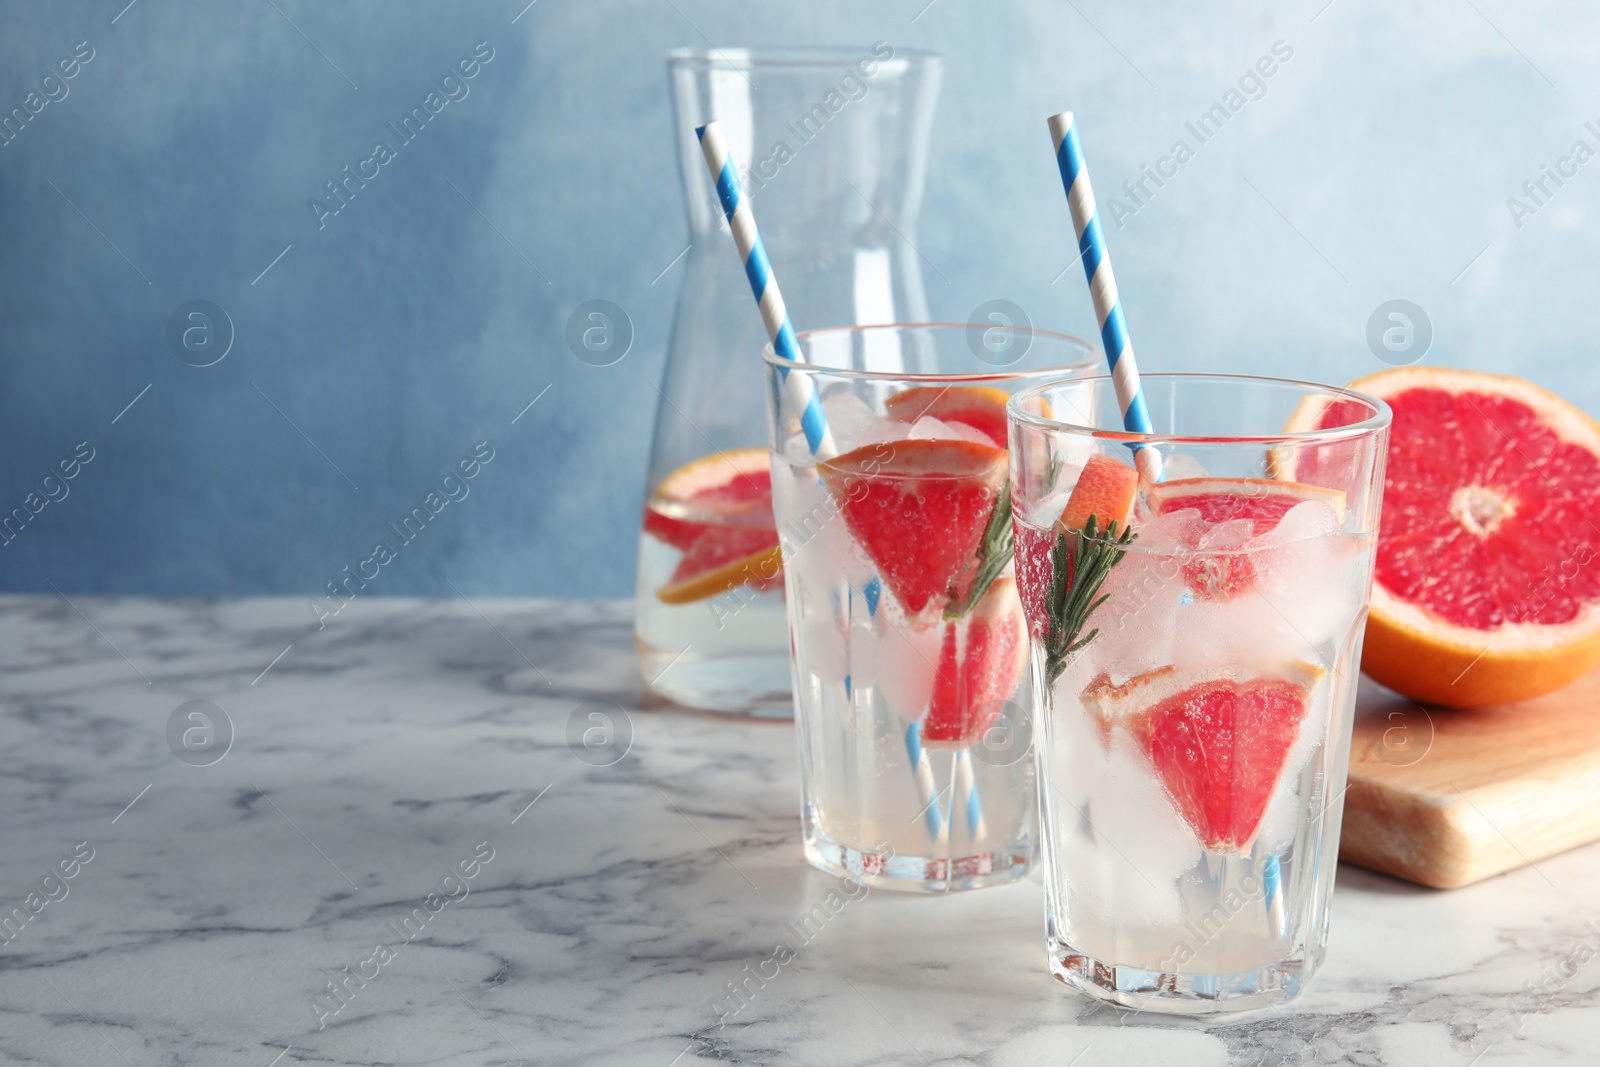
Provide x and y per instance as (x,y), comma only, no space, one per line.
(378,753)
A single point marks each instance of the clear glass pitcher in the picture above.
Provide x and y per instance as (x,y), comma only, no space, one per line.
(832,148)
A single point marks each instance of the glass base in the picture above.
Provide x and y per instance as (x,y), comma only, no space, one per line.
(748,683)
(915,874)
(1179,994)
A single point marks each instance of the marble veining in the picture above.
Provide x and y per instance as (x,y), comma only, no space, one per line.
(639,899)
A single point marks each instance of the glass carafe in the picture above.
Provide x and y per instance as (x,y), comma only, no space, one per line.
(832,148)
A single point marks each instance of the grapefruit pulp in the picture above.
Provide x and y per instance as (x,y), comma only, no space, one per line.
(1487,585)
(1218,742)
(918,509)
(717,511)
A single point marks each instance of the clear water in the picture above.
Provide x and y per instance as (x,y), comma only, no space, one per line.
(1139,911)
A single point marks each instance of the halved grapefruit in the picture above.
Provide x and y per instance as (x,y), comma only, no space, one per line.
(981,660)
(918,509)
(982,407)
(1487,587)
(1218,738)
(717,511)
(1263,502)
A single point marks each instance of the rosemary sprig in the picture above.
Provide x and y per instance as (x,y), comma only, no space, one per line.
(1079,566)
(994,552)
(1053,466)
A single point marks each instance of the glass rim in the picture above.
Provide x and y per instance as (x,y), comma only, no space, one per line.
(1058,371)
(1380,418)
(745,57)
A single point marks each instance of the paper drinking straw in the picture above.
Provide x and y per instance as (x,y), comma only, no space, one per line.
(924,773)
(758,268)
(802,395)
(1103,288)
(968,785)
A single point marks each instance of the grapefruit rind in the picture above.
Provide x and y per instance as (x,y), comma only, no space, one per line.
(1424,656)
(758,569)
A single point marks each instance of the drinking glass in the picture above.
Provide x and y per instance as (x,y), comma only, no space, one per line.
(1193,726)
(909,648)
(832,148)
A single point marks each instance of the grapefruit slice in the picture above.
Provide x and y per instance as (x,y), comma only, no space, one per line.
(983,407)
(724,558)
(1217,741)
(918,509)
(1262,502)
(1106,490)
(1487,585)
(717,511)
(981,661)
(728,488)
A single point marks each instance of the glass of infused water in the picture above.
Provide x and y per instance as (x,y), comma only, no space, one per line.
(1196,639)
(909,644)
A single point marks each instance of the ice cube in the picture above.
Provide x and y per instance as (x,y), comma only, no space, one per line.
(1077,755)
(906,662)
(1311,573)
(1225,536)
(1177,465)
(853,423)
(1245,629)
(1134,813)
(1045,513)
(822,648)
(863,654)
(1174,533)
(1307,519)
(1137,623)
(813,532)
(928,428)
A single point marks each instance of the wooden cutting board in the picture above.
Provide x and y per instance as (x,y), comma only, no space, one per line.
(1447,797)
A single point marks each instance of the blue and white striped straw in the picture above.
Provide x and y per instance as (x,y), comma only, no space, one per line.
(802,394)
(1103,287)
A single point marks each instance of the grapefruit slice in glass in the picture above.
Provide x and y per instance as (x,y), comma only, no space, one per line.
(918,508)
(1487,585)
(727,488)
(1217,738)
(981,660)
(717,511)
(724,558)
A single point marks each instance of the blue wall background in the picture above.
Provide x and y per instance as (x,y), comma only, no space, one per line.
(379,349)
